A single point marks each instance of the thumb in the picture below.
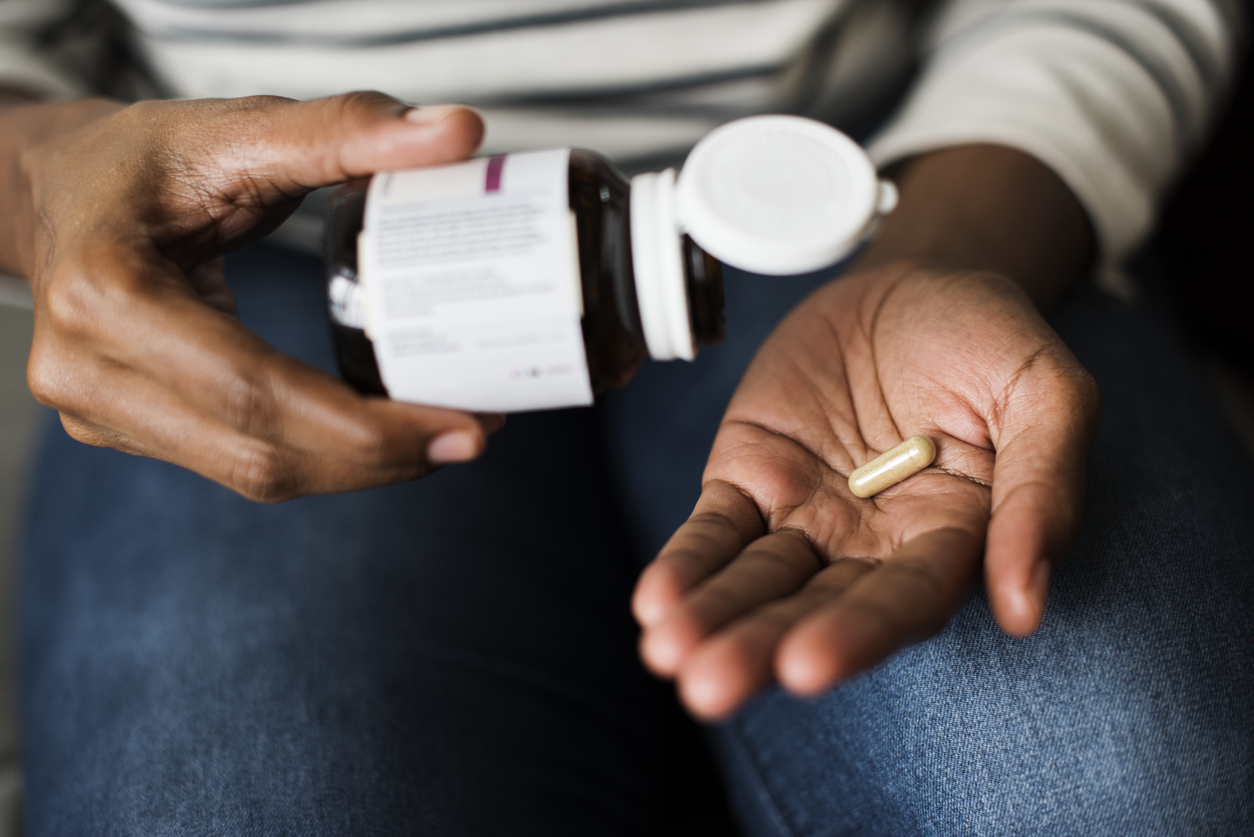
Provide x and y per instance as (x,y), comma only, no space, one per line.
(1038,495)
(301,146)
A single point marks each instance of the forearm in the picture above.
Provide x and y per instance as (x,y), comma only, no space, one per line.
(11,191)
(986,207)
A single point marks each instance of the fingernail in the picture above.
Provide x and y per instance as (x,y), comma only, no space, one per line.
(454,446)
(434,114)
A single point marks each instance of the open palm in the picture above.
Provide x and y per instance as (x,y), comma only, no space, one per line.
(782,574)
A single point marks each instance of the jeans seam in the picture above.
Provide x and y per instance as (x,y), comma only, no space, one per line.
(761,789)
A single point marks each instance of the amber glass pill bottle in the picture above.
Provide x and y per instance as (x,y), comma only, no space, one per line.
(529,300)
(538,280)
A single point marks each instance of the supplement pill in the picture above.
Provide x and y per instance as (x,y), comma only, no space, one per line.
(892,466)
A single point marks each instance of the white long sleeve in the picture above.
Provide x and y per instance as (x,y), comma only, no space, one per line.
(1113,95)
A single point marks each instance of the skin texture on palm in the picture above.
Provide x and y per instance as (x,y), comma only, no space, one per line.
(782,575)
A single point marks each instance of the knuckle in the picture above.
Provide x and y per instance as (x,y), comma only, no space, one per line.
(364,102)
(69,303)
(248,404)
(349,112)
(87,292)
(368,441)
(263,474)
(712,522)
(46,379)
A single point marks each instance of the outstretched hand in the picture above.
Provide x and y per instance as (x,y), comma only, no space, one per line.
(120,216)
(783,575)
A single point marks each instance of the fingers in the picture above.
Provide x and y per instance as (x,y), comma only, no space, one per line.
(304,145)
(136,343)
(907,598)
(198,176)
(157,371)
(116,407)
(1038,496)
(836,622)
(770,568)
(231,374)
(723,522)
(739,661)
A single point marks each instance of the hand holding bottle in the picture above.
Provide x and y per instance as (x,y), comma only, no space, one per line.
(119,216)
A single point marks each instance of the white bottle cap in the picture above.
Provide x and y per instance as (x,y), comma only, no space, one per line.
(780,195)
(658,264)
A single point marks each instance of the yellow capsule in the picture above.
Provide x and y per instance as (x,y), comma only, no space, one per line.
(892,466)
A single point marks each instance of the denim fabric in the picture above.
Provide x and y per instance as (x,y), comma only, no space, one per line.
(456,656)
(1129,712)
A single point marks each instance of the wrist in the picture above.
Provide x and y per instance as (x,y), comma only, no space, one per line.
(26,124)
(987,208)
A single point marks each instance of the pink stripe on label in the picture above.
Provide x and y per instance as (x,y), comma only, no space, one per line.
(495,164)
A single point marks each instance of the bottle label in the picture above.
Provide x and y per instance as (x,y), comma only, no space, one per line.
(472,283)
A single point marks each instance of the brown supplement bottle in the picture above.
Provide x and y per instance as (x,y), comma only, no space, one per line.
(541,279)
(599,198)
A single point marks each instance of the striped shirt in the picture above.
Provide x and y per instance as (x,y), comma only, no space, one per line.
(1111,94)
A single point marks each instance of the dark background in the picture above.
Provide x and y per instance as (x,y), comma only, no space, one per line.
(1207,234)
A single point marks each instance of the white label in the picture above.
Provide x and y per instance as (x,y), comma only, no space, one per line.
(471,274)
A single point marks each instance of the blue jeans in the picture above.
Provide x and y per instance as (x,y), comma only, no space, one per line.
(456,656)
